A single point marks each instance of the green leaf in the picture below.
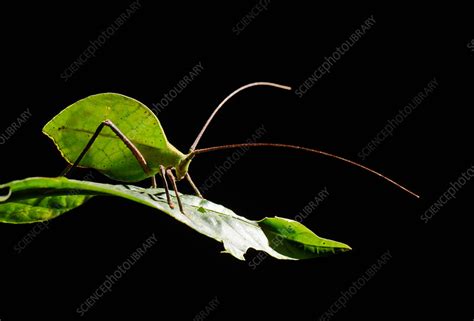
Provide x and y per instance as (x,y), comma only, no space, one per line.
(37,199)
(295,240)
(73,127)
(6,196)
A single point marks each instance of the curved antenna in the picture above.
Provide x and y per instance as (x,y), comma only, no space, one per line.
(306,149)
(260,83)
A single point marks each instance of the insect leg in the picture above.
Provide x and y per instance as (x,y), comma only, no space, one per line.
(141,160)
(153,182)
(175,188)
(165,184)
(196,190)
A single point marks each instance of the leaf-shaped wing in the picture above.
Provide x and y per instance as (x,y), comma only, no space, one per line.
(72,129)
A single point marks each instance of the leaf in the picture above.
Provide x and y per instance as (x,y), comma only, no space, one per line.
(38,199)
(295,240)
(6,196)
(72,129)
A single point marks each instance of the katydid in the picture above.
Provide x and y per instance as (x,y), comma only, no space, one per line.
(123,139)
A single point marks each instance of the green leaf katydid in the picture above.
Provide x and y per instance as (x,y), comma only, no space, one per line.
(123,139)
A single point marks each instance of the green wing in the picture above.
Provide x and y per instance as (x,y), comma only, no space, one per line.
(72,129)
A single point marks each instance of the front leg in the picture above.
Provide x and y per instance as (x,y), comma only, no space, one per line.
(165,185)
(170,175)
(196,190)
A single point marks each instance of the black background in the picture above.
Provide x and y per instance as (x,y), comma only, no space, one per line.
(405,49)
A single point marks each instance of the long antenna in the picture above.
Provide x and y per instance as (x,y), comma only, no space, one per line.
(232,146)
(261,83)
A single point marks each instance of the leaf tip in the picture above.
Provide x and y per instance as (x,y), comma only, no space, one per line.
(338,247)
(345,248)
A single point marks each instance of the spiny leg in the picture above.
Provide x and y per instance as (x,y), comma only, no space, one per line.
(196,190)
(141,160)
(175,188)
(165,185)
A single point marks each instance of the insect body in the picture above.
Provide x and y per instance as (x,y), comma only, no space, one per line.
(118,136)
(123,139)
